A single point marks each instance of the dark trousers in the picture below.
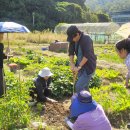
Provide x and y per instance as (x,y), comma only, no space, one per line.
(33,93)
(1,82)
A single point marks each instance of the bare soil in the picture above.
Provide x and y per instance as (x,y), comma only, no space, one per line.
(55,113)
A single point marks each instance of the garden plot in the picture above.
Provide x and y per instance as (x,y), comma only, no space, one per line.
(114,97)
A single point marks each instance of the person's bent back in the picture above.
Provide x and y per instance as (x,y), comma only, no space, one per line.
(93,120)
(87,114)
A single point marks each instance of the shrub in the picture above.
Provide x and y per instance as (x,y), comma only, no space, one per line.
(95,81)
(115,101)
(14,110)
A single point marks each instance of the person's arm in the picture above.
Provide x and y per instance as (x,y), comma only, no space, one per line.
(127,79)
(71,60)
(51,100)
(4,56)
(43,97)
(128,73)
(69,123)
(39,88)
(72,64)
(86,46)
(82,63)
(71,55)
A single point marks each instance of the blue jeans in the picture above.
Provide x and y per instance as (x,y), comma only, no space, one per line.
(83,81)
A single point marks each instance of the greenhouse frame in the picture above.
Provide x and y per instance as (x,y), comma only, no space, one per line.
(99,32)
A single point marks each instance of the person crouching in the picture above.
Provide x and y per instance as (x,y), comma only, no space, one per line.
(41,89)
(86,114)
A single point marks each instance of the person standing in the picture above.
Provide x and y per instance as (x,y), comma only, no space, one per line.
(2,56)
(81,45)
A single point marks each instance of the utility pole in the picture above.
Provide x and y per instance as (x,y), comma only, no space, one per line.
(33,16)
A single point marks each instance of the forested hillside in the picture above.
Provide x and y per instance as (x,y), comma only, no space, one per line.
(108,5)
(44,14)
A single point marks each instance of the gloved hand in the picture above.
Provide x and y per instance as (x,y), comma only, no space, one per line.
(66,119)
(51,100)
(69,123)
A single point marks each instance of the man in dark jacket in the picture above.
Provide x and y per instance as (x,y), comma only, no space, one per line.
(2,56)
(41,88)
(81,45)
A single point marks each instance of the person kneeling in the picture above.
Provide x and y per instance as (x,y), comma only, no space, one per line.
(86,114)
(41,89)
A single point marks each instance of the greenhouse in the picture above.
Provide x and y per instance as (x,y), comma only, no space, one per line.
(124,30)
(99,32)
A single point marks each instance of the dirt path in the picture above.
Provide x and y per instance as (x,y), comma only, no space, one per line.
(101,64)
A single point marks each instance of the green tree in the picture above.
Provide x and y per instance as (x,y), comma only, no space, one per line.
(102,17)
(44,14)
(43,11)
(108,5)
(79,2)
(69,12)
(93,18)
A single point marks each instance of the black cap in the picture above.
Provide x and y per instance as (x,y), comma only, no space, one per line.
(71,32)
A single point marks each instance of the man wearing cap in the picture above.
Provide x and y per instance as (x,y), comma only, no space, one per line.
(87,114)
(81,45)
(41,88)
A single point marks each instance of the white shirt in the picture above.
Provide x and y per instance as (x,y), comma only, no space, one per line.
(127,62)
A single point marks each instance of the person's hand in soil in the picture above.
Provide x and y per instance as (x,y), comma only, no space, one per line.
(51,100)
(9,56)
(69,123)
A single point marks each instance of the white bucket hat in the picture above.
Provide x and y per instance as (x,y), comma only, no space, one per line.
(45,72)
